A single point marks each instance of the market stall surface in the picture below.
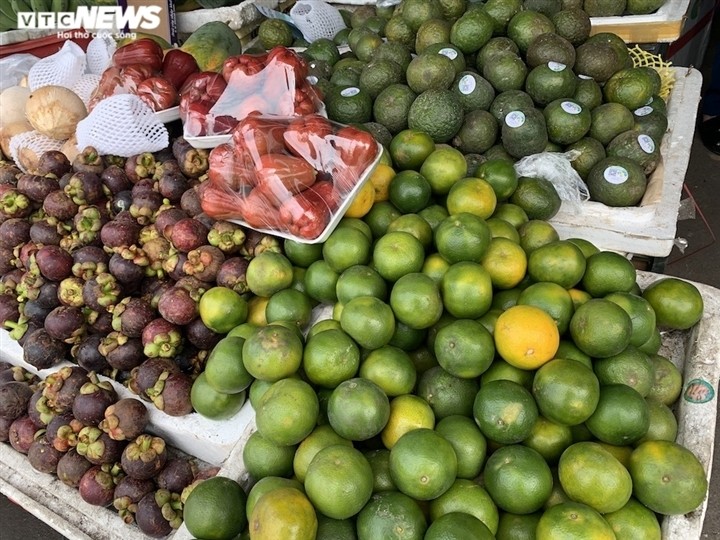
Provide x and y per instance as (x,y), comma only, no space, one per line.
(698,260)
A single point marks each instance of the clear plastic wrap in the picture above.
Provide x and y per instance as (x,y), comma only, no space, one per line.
(557,168)
(273,83)
(290,176)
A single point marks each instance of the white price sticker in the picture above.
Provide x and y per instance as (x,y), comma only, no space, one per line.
(643,111)
(515,119)
(350,92)
(615,174)
(466,85)
(449,52)
(646,143)
(556,66)
(571,107)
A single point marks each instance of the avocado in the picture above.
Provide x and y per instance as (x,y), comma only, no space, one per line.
(434,71)
(548,82)
(550,48)
(573,24)
(589,152)
(610,120)
(524,132)
(392,106)
(510,100)
(437,113)
(477,134)
(473,91)
(567,121)
(617,181)
(637,146)
(378,75)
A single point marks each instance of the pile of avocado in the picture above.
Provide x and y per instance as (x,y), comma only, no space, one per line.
(499,79)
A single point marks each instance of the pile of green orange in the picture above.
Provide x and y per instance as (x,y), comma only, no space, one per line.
(473,376)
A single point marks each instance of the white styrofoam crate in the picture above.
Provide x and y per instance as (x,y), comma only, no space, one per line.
(649,228)
(239,17)
(696,352)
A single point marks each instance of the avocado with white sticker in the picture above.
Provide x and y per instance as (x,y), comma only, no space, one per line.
(524,132)
(639,147)
(617,181)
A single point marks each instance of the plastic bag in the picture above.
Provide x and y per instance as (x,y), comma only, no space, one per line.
(14,67)
(274,83)
(291,176)
(557,168)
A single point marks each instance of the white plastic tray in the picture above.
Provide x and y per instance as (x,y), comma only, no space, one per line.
(210,440)
(647,229)
(168,115)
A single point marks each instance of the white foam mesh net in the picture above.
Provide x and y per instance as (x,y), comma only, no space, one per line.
(64,68)
(26,148)
(142,131)
(99,53)
(316,19)
(85,86)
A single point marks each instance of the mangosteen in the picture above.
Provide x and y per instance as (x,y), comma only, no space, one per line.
(199,335)
(89,160)
(53,163)
(204,263)
(193,162)
(71,468)
(257,242)
(99,322)
(120,232)
(22,332)
(97,485)
(232,274)
(14,399)
(88,356)
(174,263)
(25,254)
(109,159)
(9,173)
(171,394)
(37,187)
(94,397)
(14,231)
(161,338)
(148,233)
(70,292)
(62,386)
(177,306)
(102,292)
(18,374)
(66,324)
(177,474)
(140,166)
(58,205)
(47,232)
(84,188)
(191,360)
(167,166)
(159,513)
(14,204)
(62,431)
(125,270)
(48,295)
(128,493)
(157,250)
(22,433)
(42,456)
(97,446)
(153,288)
(7,260)
(115,180)
(88,222)
(54,262)
(38,409)
(5,424)
(227,236)
(144,457)
(29,286)
(172,185)
(205,219)
(9,281)
(120,202)
(190,202)
(146,185)
(147,374)
(89,261)
(145,206)
(125,419)
(9,309)
(41,350)
(188,234)
(121,352)
(131,315)
(166,220)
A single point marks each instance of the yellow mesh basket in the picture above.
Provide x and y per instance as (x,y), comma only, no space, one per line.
(643,58)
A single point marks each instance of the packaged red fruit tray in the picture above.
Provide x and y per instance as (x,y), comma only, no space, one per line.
(292,176)
(212,104)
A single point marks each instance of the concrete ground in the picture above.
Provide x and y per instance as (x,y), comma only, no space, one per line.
(700,262)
